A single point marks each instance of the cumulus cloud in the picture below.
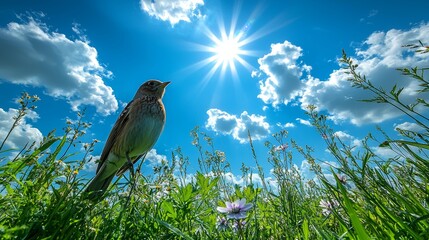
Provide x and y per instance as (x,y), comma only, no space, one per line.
(384,152)
(255,178)
(378,58)
(92,164)
(22,134)
(154,158)
(237,126)
(284,74)
(414,127)
(241,180)
(66,68)
(348,139)
(304,122)
(173,11)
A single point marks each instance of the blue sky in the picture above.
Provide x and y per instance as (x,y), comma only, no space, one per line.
(282,56)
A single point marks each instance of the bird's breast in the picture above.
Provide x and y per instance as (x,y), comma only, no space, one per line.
(143,128)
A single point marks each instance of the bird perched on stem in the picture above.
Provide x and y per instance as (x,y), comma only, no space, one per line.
(133,135)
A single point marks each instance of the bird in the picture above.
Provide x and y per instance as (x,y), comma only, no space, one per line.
(135,132)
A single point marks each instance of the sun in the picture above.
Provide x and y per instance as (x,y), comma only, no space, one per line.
(227,50)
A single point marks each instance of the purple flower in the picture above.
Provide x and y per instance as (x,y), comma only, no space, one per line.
(328,206)
(342,178)
(236,209)
(238,224)
(222,223)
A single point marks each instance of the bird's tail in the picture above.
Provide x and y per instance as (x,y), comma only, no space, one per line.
(97,187)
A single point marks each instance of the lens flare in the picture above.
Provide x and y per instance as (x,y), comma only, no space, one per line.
(228,48)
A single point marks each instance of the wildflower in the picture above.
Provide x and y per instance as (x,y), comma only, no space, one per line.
(75,172)
(221,223)
(328,206)
(281,147)
(160,195)
(342,178)
(236,209)
(162,190)
(86,146)
(238,225)
(61,164)
(124,194)
(220,155)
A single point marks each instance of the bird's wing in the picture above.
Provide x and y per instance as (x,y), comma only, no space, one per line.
(117,128)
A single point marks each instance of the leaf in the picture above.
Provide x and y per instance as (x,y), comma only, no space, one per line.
(305,229)
(36,152)
(173,229)
(414,144)
(169,208)
(186,193)
(349,205)
(59,147)
(365,160)
(384,144)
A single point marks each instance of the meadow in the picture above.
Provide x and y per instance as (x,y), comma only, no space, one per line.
(372,196)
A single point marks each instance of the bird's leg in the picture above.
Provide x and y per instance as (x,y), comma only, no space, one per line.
(131,165)
(132,179)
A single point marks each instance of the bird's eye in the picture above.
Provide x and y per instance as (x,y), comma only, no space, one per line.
(151,83)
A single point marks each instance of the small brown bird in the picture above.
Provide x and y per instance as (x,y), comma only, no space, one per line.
(133,135)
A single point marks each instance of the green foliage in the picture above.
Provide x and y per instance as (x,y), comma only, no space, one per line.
(369,196)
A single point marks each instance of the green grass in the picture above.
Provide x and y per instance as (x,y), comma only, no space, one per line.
(372,197)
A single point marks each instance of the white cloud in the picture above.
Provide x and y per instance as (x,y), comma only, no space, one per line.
(304,122)
(91,166)
(230,177)
(384,152)
(240,180)
(284,74)
(228,124)
(22,134)
(381,54)
(173,11)
(348,139)
(378,60)
(68,69)
(154,158)
(306,171)
(286,125)
(409,127)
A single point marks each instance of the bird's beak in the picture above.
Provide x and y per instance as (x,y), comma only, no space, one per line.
(164,84)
